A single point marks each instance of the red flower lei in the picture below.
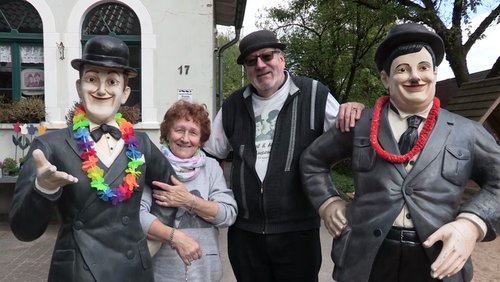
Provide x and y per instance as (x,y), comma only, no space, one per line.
(422,138)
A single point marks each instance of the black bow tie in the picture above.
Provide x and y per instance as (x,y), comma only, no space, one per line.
(104,128)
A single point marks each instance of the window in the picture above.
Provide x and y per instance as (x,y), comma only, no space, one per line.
(21,51)
(118,20)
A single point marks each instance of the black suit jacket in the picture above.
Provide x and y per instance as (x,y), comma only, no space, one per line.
(97,241)
(457,150)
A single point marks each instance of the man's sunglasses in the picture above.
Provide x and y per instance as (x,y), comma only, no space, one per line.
(265,57)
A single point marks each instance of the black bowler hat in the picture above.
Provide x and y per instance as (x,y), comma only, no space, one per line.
(105,51)
(408,33)
(258,40)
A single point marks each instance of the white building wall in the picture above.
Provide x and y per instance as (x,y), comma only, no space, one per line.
(174,34)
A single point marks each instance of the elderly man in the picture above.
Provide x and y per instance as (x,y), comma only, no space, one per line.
(408,193)
(94,172)
(276,234)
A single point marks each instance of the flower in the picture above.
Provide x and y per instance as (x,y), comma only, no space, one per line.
(41,129)
(31,129)
(24,129)
(16,127)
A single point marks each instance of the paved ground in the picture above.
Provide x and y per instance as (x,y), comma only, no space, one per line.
(29,262)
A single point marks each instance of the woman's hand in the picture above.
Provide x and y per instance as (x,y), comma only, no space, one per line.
(176,195)
(187,248)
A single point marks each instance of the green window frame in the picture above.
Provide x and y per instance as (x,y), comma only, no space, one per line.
(20,25)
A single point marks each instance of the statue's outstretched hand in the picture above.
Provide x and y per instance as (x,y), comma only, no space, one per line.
(334,217)
(459,238)
(47,175)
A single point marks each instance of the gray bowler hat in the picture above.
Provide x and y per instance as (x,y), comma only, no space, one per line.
(258,40)
(408,33)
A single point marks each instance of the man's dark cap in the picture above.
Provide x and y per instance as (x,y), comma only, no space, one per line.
(105,51)
(258,40)
(408,33)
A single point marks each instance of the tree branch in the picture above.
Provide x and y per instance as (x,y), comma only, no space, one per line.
(481,28)
(495,70)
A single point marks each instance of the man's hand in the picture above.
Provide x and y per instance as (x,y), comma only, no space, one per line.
(459,239)
(333,214)
(47,175)
(348,114)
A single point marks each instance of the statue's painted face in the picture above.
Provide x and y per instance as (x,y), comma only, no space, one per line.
(412,81)
(102,90)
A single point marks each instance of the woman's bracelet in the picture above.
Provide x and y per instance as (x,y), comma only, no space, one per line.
(170,238)
(193,204)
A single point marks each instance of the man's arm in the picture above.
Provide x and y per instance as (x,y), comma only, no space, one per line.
(217,146)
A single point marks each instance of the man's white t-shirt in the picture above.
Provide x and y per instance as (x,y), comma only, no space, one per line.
(266,112)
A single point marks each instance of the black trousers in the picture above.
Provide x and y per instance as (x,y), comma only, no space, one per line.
(291,256)
(401,258)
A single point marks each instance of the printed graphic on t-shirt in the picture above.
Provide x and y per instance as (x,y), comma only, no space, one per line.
(264,133)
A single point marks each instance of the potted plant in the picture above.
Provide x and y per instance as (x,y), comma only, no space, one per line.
(10,167)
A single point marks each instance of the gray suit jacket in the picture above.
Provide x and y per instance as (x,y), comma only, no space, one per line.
(97,241)
(457,150)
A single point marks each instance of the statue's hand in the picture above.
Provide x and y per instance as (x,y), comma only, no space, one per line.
(47,175)
(459,239)
(334,217)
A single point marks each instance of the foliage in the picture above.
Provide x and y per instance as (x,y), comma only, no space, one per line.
(448,20)
(342,177)
(4,111)
(26,110)
(9,164)
(131,114)
(334,42)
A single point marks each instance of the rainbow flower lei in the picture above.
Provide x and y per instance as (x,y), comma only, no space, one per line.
(89,156)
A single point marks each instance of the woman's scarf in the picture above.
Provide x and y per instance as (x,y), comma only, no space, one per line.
(186,169)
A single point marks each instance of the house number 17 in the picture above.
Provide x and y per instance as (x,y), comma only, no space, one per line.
(185,68)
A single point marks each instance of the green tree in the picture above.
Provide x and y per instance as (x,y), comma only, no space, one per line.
(333,41)
(448,21)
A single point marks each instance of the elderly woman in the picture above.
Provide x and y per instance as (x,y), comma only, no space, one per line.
(190,249)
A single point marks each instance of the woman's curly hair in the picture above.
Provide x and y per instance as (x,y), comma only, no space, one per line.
(183,109)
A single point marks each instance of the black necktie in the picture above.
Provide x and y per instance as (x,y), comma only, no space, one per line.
(104,128)
(409,137)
